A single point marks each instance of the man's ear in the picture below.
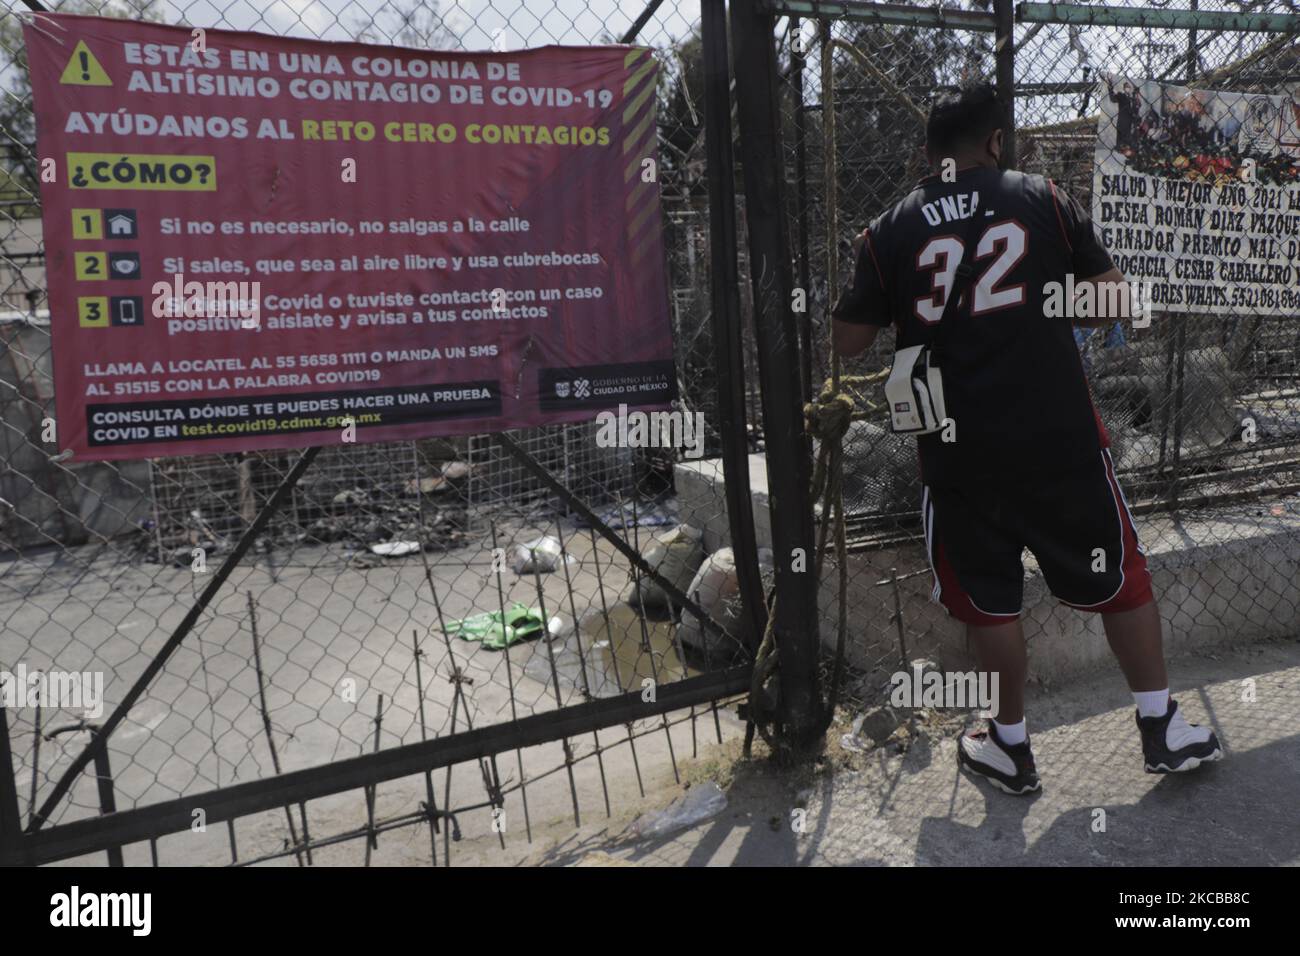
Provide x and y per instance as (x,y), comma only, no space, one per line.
(994,146)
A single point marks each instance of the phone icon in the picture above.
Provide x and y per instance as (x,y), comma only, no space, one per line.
(127,310)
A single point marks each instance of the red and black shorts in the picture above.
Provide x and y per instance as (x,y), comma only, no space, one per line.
(1077,524)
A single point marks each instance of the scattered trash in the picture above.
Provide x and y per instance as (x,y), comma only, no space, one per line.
(542,555)
(646,515)
(495,633)
(559,627)
(716,589)
(436,529)
(676,555)
(855,744)
(871,729)
(426,486)
(353,496)
(395,549)
(442,483)
(699,803)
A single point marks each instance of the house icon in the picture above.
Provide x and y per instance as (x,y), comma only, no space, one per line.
(121,223)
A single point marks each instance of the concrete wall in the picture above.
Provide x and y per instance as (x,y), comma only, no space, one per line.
(1228,575)
(872,640)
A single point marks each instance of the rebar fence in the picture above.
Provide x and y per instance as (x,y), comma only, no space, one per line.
(267,617)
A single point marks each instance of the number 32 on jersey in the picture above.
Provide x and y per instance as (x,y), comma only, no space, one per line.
(1004,242)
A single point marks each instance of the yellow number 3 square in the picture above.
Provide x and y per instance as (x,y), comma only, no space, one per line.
(92,311)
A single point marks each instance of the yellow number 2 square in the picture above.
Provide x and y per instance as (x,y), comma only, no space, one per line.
(90,265)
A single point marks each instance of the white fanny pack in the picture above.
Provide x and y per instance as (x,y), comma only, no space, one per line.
(914,391)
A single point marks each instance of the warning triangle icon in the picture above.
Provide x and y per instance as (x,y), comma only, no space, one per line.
(83,69)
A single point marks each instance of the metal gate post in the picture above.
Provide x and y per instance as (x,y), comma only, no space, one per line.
(725,294)
(798,62)
(1004,45)
(107,802)
(789,448)
(11,827)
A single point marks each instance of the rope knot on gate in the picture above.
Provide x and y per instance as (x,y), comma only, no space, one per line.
(829,415)
(827,418)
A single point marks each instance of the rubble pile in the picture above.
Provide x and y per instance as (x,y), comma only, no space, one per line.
(383,519)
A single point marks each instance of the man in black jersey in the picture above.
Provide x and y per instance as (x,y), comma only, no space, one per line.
(1023,460)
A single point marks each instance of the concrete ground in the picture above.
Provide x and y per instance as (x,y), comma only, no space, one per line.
(536,818)
(902,804)
(909,805)
(330,623)
(199,727)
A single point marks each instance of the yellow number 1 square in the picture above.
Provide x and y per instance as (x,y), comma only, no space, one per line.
(87,224)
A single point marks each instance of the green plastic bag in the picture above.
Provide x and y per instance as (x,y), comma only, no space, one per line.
(489,629)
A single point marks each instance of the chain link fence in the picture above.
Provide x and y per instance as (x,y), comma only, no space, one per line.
(402,591)
(1202,409)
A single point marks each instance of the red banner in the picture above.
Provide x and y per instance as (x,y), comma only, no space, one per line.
(259,242)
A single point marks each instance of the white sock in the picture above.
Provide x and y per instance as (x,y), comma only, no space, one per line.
(1012,734)
(1152,703)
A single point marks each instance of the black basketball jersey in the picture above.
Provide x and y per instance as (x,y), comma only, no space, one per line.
(1013,382)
